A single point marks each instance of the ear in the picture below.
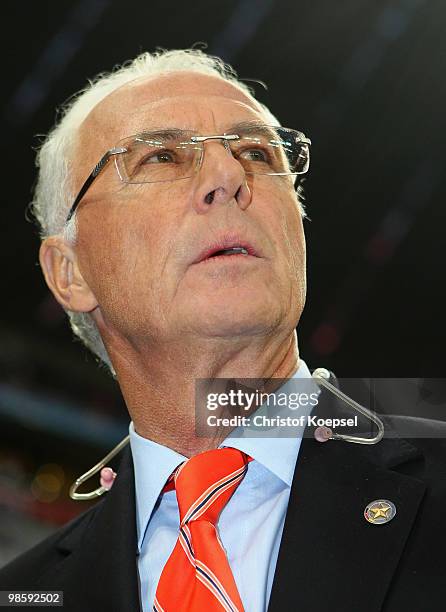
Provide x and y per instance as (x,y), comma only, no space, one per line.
(61,271)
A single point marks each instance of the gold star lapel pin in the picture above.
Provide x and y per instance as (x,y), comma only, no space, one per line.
(379,511)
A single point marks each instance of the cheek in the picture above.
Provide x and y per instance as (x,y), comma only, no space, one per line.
(116,253)
(285,222)
(124,249)
(297,241)
(291,261)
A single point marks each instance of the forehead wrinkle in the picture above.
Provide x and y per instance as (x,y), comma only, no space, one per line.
(152,90)
(179,112)
(113,118)
(195,118)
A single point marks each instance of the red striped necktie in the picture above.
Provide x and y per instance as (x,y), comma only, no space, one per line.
(197,576)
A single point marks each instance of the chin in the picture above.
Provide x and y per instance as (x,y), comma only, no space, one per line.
(236,317)
(232,328)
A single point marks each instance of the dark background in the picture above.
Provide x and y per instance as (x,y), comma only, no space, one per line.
(364,79)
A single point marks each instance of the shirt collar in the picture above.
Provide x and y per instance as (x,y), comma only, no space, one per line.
(153,463)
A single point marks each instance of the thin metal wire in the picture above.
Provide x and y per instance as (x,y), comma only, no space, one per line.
(94,470)
(320,375)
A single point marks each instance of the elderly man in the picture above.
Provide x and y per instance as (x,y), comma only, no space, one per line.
(181,256)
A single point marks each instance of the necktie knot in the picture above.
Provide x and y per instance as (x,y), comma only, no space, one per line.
(205,483)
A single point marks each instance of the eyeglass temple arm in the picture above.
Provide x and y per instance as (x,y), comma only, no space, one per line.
(96,171)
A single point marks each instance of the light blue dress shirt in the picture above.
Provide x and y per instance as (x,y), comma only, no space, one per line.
(250,525)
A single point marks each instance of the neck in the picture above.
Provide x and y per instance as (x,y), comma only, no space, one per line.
(159,385)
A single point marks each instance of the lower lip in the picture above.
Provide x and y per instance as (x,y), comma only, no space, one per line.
(226,258)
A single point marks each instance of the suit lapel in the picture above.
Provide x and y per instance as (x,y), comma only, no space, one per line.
(100,568)
(329,552)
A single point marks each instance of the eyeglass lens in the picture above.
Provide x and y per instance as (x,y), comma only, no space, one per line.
(172,156)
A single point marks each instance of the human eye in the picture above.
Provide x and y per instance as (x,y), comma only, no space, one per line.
(254,155)
(158,159)
(164,156)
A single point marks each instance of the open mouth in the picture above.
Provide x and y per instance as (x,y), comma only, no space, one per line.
(231,251)
(236,252)
(226,249)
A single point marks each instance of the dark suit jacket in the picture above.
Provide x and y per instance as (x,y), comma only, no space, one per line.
(330,558)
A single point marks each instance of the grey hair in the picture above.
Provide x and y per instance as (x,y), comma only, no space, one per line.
(54,195)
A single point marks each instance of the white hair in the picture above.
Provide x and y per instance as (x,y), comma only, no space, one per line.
(54,195)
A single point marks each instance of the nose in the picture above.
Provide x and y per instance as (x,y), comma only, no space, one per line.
(221,179)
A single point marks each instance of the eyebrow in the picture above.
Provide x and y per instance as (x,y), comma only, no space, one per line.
(247,127)
(166,134)
(243,127)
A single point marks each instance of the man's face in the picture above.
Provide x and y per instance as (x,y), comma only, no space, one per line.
(138,245)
